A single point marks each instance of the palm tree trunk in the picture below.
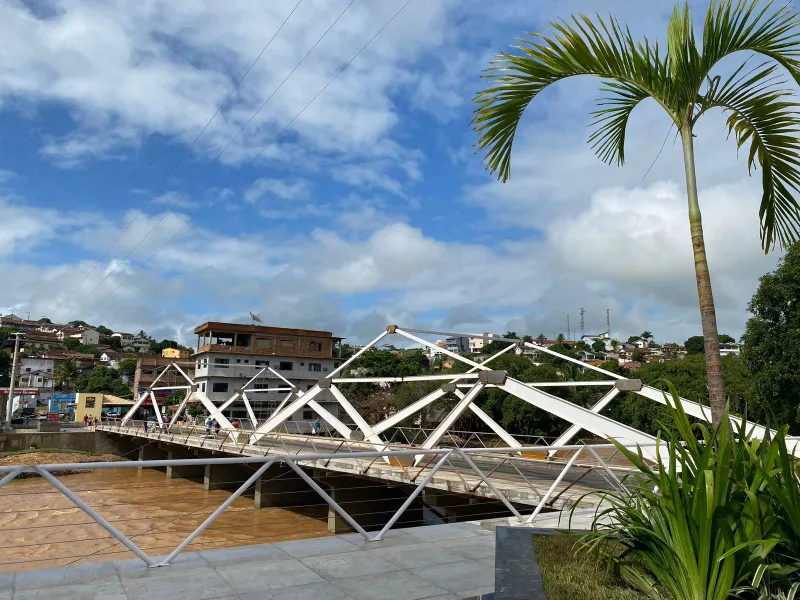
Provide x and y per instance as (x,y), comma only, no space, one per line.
(708,315)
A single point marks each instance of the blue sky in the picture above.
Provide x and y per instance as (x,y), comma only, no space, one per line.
(370,208)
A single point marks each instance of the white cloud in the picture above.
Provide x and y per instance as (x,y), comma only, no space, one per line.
(276,187)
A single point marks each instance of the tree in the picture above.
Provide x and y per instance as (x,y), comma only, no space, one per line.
(66,373)
(598,347)
(7,337)
(760,109)
(646,336)
(560,338)
(44,320)
(127,367)
(724,338)
(104,380)
(103,330)
(771,342)
(633,339)
(78,324)
(72,344)
(638,356)
(615,345)
(174,398)
(695,345)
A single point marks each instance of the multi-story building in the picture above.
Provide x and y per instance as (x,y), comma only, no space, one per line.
(36,372)
(150,367)
(476,344)
(458,344)
(229,355)
(125,339)
(730,349)
(87,336)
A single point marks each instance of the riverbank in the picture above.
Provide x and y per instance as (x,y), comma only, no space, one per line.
(52,456)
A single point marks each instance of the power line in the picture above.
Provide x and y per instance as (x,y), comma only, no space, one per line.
(189,149)
(271,141)
(216,158)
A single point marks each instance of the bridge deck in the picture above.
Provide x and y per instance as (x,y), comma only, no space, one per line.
(520,480)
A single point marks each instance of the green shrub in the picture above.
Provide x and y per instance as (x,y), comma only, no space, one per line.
(719,507)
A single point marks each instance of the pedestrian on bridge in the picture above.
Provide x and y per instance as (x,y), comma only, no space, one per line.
(217,428)
(209,423)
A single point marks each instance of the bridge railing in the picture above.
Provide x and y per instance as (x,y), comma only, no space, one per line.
(512,482)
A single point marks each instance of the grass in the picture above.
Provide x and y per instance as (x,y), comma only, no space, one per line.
(571,575)
(8,453)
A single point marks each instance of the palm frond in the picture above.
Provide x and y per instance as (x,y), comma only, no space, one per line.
(611,120)
(760,111)
(750,25)
(582,46)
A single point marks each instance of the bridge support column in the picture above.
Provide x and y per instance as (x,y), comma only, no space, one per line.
(370,503)
(183,472)
(223,477)
(151,451)
(281,486)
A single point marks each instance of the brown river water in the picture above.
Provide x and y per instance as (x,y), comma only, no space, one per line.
(40,528)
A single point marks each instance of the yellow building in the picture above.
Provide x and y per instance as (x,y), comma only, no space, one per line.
(175,353)
(92,405)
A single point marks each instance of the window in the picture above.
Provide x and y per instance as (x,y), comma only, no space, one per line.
(219,387)
(260,386)
(336,365)
(90,402)
(203,387)
(314,367)
(287,344)
(263,343)
(307,415)
(309,386)
(27,369)
(242,340)
(315,346)
(302,364)
(246,361)
(262,363)
(222,362)
(285,366)
(238,360)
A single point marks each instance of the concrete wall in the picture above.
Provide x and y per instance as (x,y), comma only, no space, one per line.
(85,441)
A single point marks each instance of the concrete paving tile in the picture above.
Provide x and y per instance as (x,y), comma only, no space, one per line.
(5,595)
(312,591)
(447,532)
(198,585)
(457,577)
(105,589)
(6,581)
(253,578)
(317,546)
(136,569)
(43,578)
(395,585)
(243,554)
(417,555)
(393,537)
(348,564)
(474,547)
(476,593)
(489,560)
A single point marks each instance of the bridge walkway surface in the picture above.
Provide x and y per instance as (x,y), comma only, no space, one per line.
(521,479)
(446,562)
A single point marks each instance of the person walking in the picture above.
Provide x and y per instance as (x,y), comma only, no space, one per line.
(217,428)
(316,426)
(86,421)
(208,426)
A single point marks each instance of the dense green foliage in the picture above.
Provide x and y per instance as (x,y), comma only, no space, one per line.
(721,507)
(127,367)
(772,340)
(5,369)
(66,374)
(103,379)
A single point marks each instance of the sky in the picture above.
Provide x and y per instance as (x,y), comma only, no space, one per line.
(341,202)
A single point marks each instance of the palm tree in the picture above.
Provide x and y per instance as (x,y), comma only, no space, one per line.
(615,345)
(760,109)
(647,337)
(66,373)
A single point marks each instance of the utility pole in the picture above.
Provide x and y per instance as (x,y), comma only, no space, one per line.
(10,403)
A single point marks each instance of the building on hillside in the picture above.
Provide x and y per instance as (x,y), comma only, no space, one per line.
(125,340)
(36,372)
(731,349)
(458,344)
(40,339)
(230,354)
(141,343)
(604,337)
(631,365)
(175,353)
(112,357)
(87,337)
(586,355)
(12,320)
(476,344)
(432,353)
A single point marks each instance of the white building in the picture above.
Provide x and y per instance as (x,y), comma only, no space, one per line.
(141,343)
(87,337)
(35,372)
(731,349)
(229,355)
(476,344)
(600,337)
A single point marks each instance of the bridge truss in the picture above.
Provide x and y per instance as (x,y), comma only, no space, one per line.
(464,386)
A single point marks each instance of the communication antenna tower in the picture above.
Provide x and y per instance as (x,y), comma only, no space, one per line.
(608,322)
(583,312)
(569,335)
